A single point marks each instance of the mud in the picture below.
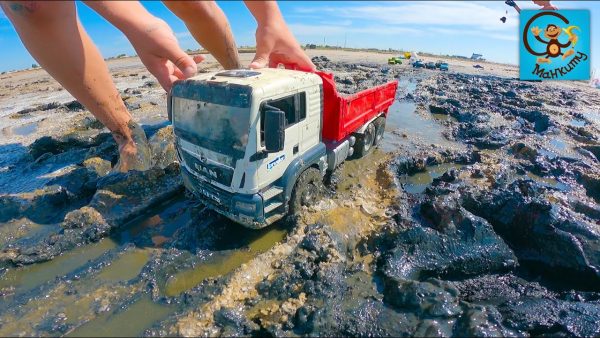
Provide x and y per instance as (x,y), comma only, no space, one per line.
(478,215)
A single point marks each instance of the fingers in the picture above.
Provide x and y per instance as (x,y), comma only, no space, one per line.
(181,60)
(302,62)
(259,61)
(164,73)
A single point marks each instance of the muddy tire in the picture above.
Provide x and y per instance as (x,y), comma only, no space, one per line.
(379,130)
(308,190)
(364,142)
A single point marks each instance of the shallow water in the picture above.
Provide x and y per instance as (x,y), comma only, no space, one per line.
(405,125)
(126,267)
(417,183)
(129,322)
(219,264)
(546,181)
(25,129)
(30,276)
(577,123)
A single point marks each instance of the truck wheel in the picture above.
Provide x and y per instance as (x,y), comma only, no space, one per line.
(379,129)
(307,191)
(364,142)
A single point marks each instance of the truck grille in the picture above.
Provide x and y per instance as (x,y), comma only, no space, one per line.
(218,198)
(206,169)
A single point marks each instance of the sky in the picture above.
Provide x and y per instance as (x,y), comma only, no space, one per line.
(445,27)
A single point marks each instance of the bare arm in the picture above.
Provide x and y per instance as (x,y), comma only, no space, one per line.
(209,26)
(274,42)
(53,35)
(152,39)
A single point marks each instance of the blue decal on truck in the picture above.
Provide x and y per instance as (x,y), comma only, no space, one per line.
(275,162)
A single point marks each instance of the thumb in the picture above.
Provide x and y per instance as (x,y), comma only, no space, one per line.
(184,62)
(261,60)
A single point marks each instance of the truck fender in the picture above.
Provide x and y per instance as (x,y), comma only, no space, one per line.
(362,129)
(316,155)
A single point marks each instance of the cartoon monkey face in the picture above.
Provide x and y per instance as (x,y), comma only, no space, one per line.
(552,32)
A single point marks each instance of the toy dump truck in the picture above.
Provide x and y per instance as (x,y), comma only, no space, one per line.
(255,145)
(395,60)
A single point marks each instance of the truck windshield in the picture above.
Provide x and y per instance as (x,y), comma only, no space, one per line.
(217,127)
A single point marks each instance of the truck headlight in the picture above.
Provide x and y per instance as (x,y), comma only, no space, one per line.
(245,207)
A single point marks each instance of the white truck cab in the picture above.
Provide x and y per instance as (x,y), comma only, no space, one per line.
(219,122)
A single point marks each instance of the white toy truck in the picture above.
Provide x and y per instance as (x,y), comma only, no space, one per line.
(254,145)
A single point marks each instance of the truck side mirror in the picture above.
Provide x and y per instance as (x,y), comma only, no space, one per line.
(274,129)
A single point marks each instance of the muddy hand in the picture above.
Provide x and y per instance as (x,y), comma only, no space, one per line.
(134,151)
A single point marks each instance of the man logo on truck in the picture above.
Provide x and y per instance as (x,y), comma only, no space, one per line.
(209,172)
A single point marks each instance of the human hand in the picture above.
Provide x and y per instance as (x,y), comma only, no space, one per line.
(546,5)
(157,47)
(275,44)
(536,31)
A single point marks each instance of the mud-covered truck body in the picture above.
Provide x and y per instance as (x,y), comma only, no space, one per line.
(253,143)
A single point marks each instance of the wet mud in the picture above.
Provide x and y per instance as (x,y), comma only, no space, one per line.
(478,215)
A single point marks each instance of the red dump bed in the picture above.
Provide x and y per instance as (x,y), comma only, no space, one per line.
(344,115)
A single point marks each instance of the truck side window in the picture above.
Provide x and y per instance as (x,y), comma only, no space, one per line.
(294,107)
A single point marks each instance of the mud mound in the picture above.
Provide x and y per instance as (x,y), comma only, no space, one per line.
(351,78)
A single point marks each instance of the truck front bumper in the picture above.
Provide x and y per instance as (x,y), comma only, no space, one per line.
(244,209)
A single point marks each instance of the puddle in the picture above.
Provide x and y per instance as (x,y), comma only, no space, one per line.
(404,125)
(443,117)
(126,267)
(558,144)
(417,183)
(407,85)
(545,181)
(577,123)
(131,322)
(219,264)
(594,117)
(26,129)
(30,276)
(157,227)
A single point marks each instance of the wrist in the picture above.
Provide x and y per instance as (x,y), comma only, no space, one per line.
(122,135)
(144,24)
